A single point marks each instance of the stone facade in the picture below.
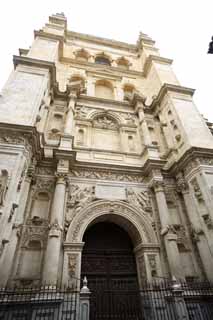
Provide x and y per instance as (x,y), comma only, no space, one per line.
(91,130)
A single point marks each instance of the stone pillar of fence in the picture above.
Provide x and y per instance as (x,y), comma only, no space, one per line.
(84,301)
(179,302)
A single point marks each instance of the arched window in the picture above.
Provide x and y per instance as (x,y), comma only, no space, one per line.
(102,60)
(104,89)
(123,63)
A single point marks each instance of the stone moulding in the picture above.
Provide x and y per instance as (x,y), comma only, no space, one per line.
(133,220)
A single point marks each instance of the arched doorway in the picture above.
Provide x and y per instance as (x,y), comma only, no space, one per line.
(108,261)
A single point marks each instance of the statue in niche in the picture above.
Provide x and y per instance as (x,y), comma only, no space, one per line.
(3,185)
(105,122)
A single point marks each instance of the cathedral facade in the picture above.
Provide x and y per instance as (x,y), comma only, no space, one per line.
(106,165)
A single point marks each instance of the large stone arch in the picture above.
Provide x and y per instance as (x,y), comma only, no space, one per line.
(133,220)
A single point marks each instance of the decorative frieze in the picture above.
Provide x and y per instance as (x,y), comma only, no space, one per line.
(106,175)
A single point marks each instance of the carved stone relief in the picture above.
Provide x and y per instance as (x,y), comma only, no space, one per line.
(118,209)
(44,184)
(152,264)
(81,112)
(139,199)
(197,190)
(16,138)
(35,228)
(78,198)
(105,122)
(106,175)
(72,264)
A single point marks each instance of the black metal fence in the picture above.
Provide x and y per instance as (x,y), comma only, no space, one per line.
(159,300)
(177,300)
(41,303)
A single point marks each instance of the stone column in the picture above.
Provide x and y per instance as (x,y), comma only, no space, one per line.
(67,137)
(167,231)
(54,245)
(198,235)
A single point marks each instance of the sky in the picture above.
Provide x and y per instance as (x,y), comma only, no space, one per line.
(182,30)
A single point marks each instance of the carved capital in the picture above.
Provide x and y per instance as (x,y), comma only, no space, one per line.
(182,185)
(158,185)
(169,229)
(61,177)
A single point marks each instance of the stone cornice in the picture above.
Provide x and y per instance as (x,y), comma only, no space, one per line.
(17,60)
(152,164)
(12,132)
(170,88)
(102,100)
(188,156)
(92,67)
(153,58)
(102,41)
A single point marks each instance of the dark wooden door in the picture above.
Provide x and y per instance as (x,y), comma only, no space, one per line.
(108,262)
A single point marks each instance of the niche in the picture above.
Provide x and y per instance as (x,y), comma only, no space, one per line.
(80,137)
(131,143)
(104,89)
(56,123)
(31,259)
(40,207)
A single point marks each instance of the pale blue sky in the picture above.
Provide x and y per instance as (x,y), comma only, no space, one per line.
(182,30)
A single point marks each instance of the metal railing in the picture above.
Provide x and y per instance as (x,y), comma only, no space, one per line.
(40,303)
(159,300)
